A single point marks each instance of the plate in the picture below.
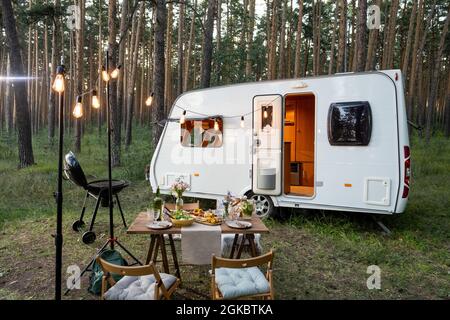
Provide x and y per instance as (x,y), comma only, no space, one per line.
(239,224)
(159,225)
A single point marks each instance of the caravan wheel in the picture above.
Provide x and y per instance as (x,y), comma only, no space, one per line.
(264,205)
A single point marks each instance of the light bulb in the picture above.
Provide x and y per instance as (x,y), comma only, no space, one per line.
(58,84)
(242,122)
(265,113)
(95,101)
(149,100)
(78,109)
(105,75)
(183,117)
(216,125)
(115,72)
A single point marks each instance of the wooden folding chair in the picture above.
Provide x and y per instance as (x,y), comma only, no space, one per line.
(242,264)
(160,289)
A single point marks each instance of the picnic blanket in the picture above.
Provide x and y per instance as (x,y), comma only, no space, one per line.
(199,242)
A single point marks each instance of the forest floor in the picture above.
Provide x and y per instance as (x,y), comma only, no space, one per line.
(319,255)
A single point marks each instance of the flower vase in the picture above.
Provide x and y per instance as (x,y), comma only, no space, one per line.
(179,203)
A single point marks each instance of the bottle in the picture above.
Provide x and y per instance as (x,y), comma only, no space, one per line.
(157,205)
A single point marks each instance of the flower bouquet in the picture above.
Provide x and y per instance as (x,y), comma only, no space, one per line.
(177,188)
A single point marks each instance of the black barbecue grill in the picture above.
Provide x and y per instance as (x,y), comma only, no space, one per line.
(97,189)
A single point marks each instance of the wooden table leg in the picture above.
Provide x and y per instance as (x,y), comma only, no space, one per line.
(150,249)
(241,247)
(251,241)
(235,240)
(157,245)
(164,255)
(174,257)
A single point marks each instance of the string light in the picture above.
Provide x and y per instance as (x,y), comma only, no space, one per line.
(216,125)
(58,84)
(242,122)
(149,100)
(105,75)
(95,101)
(183,117)
(115,72)
(78,109)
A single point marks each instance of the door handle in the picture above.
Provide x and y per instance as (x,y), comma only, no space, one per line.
(257,142)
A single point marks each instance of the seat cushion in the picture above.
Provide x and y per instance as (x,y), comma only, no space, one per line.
(137,288)
(234,283)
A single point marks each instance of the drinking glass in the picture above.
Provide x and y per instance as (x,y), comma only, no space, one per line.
(149,213)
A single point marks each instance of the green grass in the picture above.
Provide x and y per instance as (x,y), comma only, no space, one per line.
(319,255)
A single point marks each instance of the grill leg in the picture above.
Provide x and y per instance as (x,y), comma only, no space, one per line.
(84,206)
(95,212)
(121,212)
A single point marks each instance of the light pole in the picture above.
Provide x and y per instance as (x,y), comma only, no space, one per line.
(59,86)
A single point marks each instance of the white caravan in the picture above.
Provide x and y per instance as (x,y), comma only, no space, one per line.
(333,142)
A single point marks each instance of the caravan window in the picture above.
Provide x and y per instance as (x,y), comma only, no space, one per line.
(350,123)
(202,133)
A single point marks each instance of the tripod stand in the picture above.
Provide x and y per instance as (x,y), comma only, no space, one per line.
(112,241)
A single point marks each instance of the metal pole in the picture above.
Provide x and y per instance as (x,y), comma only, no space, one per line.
(59,198)
(108,120)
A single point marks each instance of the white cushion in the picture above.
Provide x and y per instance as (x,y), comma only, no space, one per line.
(227,243)
(137,288)
(234,283)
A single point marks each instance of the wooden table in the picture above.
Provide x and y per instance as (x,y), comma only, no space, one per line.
(157,240)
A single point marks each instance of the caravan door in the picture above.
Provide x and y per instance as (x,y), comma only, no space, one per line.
(267,144)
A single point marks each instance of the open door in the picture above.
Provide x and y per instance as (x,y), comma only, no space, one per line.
(267,144)
(299,145)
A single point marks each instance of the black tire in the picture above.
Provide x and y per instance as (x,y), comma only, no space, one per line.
(78,225)
(264,205)
(88,237)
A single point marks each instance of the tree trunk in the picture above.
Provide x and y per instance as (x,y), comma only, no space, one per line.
(388,50)
(273,41)
(80,73)
(219,41)
(353,33)
(447,108)
(26,157)
(114,108)
(316,36)
(373,43)
(340,67)
(359,58)
(419,43)
(168,63)
(181,49)
(131,93)
(282,50)
(435,79)
(158,71)
(9,98)
(333,41)
(412,19)
(122,48)
(208,45)
(298,40)
(251,26)
(189,49)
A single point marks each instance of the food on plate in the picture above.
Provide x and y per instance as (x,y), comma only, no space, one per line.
(181,215)
(198,212)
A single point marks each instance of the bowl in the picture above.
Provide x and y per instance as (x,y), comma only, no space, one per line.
(182,223)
